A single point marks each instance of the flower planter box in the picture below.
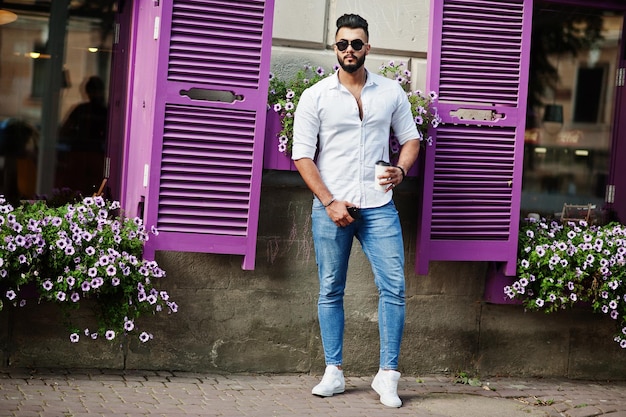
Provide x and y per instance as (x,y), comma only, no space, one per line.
(272,158)
(494,286)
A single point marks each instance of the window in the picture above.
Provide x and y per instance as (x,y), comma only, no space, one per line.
(52,135)
(567,162)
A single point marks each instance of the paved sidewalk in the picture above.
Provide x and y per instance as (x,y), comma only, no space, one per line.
(77,393)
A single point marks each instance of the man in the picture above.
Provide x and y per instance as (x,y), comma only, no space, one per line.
(346,120)
(86,125)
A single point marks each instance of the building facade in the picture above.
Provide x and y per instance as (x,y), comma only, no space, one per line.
(186,151)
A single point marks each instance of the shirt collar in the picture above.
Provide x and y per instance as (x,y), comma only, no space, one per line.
(337,84)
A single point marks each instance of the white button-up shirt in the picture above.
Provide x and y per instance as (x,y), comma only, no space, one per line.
(327,122)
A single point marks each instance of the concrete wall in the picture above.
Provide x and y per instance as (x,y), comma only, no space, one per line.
(265,320)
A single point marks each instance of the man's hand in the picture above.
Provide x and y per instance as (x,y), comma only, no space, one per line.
(391,178)
(338,212)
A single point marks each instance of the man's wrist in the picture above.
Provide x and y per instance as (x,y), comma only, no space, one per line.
(401,170)
(331,201)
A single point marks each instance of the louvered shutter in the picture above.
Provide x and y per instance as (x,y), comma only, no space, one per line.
(203,180)
(478,62)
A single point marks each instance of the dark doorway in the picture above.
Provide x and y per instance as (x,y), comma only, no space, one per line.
(588,93)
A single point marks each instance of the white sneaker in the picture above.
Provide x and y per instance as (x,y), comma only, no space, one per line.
(332,383)
(386,385)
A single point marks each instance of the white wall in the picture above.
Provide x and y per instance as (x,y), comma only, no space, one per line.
(304,31)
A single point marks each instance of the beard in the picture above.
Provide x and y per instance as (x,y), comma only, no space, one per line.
(350,68)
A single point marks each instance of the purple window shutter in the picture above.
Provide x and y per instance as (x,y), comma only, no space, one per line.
(204,175)
(478,62)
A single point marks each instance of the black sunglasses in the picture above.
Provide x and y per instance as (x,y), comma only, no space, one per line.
(356,44)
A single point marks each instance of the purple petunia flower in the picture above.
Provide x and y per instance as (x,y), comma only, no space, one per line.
(110,335)
(74,337)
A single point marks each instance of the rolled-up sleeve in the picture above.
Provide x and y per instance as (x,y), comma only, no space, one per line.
(305,127)
(402,120)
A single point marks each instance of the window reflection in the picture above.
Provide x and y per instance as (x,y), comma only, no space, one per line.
(566,159)
(77,146)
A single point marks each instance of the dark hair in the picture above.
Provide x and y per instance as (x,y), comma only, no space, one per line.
(94,86)
(352,21)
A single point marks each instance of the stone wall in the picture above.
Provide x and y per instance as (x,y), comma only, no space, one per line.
(265,320)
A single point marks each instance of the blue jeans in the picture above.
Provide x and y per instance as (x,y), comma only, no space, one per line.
(378,230)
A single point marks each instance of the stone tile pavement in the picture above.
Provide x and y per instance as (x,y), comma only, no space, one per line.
(93,393)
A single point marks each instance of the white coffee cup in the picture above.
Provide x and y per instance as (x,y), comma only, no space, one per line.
(379,169)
